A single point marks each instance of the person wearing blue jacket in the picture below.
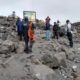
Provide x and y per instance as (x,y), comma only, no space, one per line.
(19,28)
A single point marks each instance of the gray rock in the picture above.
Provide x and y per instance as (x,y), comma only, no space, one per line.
(49,60)
(54,60)
(9,44)
(70,55)
(42,72)
(4,50)
(78,78)
(61,59)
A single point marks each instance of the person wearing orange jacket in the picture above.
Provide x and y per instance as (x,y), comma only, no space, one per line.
(31,35)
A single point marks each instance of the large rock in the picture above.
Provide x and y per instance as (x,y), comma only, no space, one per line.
(70,54)
(42,72)
(9,44)
(54,61)
(12,70)
(4,50)
(49,60)
(6,47)
(61,59)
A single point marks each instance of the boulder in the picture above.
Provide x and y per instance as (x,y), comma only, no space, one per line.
(7,46)
(70,54)
(12,70)
(54,61)
(49,60)
(61,59)
(56,46)
(42,72)
(4,50)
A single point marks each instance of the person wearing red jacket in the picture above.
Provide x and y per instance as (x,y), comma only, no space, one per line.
(31,35)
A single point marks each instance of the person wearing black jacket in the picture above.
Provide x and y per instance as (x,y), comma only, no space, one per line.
(25,34)
(56,30)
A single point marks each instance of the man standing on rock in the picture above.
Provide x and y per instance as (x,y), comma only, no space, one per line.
(47,28)
(19,28)
(68,29)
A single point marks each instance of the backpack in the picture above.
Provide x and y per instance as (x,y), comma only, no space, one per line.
(55,28)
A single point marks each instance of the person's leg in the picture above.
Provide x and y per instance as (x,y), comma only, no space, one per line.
(49,35)
(71,40)
(46,35)
(27,48)
(21,36)
(26,44)
(18,33)
(31,45)
(69,35)
(56,33)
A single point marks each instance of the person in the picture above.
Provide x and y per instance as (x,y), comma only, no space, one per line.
(31,35)
(69,32)
(60,29)
(14,14)
(58,23)
(56,30)
(25,34)
(48,19)
(19,28)
(47,28)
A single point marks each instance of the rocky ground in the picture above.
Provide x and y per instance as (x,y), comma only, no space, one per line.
(50,60)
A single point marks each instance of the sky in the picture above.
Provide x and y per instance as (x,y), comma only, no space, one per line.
(56,9)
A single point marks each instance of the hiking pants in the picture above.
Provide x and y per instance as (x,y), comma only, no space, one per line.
(31,45)
(69,35)
(26,39)
(56,34)
(47,33)
(20,35)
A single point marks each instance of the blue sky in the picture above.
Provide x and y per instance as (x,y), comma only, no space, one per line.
(56,9)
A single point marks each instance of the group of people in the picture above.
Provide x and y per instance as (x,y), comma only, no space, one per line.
(57,29)
(25,29)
